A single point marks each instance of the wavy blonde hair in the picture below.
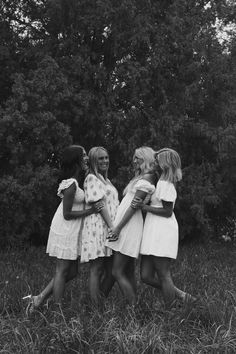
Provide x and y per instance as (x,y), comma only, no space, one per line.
(93,161)
(170,163)
(147,155)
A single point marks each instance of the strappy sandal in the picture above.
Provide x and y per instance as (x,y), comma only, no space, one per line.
(31,307)
(190,299)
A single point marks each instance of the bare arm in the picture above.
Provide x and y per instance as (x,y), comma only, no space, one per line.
(106,217)
(68,198)
(166,211)
(139,195)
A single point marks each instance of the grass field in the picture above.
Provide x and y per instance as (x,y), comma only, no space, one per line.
(208,271)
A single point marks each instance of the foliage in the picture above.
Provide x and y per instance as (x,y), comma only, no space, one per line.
(124,74)
(31,139)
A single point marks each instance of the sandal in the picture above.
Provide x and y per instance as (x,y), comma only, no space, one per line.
(31,306)
(189,299)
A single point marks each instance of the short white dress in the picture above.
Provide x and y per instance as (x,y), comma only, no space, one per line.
(160,234)
(130,236)
(65,235)
(95,229)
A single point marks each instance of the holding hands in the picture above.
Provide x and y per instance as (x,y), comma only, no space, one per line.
(98,206)
(137,203)
(113,234)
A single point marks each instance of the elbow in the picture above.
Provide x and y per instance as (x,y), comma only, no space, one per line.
(67,216)
(169,213)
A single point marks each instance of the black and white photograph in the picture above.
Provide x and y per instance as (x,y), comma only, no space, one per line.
(118,176)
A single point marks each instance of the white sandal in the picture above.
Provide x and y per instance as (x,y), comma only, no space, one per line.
(31,307)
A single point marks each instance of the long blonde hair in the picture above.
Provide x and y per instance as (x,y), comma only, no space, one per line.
(170,163)
(93,162)
(147,155)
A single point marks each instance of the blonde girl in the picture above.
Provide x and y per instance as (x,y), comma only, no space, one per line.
(97,188)
(160,234)
(126,235)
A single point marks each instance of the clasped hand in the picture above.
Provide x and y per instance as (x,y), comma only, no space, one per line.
(98,206)
(137,203)
(113,235)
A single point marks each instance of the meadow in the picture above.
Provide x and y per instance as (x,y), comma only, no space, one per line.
(206,270)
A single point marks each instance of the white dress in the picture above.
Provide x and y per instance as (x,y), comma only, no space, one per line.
(130,236)
(95,229)
(160,234)
(64,236)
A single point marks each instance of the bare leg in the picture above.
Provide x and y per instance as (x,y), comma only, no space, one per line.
(48,290)
(44,295)
(162,266)
(148,272)
(62,273)
(107,280)
(119,271)
(130,273)
(149,276)
(96,271)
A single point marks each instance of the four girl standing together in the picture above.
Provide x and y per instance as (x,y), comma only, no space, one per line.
(90,224)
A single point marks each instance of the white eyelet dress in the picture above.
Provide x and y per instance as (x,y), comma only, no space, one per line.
(64,239)
(130,236)
(160,234)
(95,229)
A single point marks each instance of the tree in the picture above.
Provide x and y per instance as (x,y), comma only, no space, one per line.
(31,139)
(130,73)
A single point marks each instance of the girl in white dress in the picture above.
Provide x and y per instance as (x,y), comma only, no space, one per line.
(160,234)
(65,231)
(125,238)
(98,187)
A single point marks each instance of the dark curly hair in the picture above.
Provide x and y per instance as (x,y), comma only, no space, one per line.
(71,158)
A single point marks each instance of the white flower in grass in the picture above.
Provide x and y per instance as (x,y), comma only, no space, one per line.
(226,238)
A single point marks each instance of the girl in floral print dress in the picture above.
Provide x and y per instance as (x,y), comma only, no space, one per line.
(98,187)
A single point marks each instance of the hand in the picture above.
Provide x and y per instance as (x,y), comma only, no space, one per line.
(137,203)
(98,206)
(113,235)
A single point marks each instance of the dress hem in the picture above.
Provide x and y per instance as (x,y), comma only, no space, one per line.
(92,259)
(155,255)
(63,257)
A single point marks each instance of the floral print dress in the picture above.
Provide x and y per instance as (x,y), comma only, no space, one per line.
(95,229)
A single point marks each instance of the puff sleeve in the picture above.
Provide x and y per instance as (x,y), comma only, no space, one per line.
(145,186)
(167,191)
(65,183)
(93,189)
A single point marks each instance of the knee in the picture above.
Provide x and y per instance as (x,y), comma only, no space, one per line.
(96,271)
(116,273)
(145,277)
(164,276)
(72,274)
(63,272)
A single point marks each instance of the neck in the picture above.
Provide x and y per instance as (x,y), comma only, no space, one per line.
(103,174)
(77,174)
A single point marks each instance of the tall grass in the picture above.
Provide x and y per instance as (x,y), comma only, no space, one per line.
(208,326)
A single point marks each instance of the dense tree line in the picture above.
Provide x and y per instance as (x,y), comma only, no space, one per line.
(120,74)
